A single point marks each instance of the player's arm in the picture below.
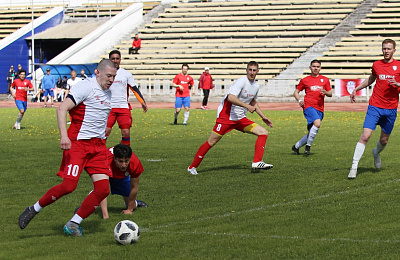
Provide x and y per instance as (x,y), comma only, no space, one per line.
(296,95)
(363,84)
(176,85)
(62,110)
(132,196)
(13,90)
(261,114)
(236,101)
(139,97)
(327,93)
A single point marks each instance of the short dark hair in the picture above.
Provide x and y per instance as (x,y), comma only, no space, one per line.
(21,70)
(185,64)
(252,63)
(122,151)
(114,52)
(390,41)
(315,61)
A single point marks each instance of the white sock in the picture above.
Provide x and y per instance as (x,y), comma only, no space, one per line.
(176,114)
(379,147)
(301,142)
(77,219)
(313,132)
(358,154)
(186,117)
(37,207)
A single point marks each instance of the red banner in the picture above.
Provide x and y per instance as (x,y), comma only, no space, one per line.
(344,87)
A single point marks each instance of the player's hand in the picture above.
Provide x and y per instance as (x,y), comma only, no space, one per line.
(393,82)
(127,212)
(144,107)
(353,97)
(301,103)
(268,122)
(251,109)
(180,88)
(65,143)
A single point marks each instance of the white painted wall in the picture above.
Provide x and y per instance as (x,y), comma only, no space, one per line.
(15,3)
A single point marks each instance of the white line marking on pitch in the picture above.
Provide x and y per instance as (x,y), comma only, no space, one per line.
(153,228)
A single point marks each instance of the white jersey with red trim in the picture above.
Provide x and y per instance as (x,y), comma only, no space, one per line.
(245,91)
(120,88)
(72,82)
(89,116)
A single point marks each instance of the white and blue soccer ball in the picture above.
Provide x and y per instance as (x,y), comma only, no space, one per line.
(126,232)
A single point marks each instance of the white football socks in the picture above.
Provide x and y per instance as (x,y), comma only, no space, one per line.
(312,134)
(301,142)
(37,207)
(186,117)
(357,155)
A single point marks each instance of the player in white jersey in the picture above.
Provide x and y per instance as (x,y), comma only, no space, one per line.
(232,115)
(121,108)
(89,105)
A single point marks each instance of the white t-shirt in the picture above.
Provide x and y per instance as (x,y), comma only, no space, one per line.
(71,83)
(245,91)
(120,88)
(89,116)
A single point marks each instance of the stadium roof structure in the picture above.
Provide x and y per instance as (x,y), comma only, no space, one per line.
(65,69)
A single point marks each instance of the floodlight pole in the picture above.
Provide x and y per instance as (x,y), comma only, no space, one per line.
(33,49)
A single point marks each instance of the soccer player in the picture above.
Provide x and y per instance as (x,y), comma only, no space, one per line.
(382,109)
(121,108)
(19,91)
(126,170)
(182,82)
(232,115)
(89,104)
(316,87)
(48,84)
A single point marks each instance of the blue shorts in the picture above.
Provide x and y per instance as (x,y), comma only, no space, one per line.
(21,104)
(179,101)
(312,114)
(121,186)
(380,116)
(48,92)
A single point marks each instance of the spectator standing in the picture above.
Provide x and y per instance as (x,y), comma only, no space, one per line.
(136,45)
(48,85)
(182,82)
(10,79)
(83,75)
(19,69)
(206,83)
(20,94)
(71,82)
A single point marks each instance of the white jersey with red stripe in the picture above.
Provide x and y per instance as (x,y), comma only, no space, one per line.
(245,91)
(89,116)
(120,89)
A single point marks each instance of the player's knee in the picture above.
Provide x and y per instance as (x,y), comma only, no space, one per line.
(317,124)
(69,185)
(125,132)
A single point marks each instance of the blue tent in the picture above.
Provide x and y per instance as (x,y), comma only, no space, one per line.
(65,70)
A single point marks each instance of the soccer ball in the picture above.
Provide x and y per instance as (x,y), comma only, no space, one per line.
(126,232)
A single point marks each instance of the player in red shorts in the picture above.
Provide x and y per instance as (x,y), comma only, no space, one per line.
(182,82)
(89,104)
(126,169)
(120,106)
(316,87)
(232,115)
(382,109)
(19,91)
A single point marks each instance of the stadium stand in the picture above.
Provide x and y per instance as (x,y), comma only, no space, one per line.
(13,18)
(225,35)
(352,57)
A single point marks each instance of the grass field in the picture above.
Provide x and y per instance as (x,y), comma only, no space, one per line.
(304,208)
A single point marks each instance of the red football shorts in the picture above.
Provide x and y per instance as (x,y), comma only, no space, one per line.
(122,115)
(244,125)
(89,155)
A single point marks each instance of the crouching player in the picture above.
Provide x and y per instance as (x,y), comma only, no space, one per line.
(126,170)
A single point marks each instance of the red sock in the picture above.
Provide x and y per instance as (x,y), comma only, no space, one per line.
(56,192)
(200,154)
(259,149)
(92,201)
(126,140)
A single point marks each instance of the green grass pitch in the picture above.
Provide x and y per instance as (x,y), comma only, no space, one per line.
(304,208)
